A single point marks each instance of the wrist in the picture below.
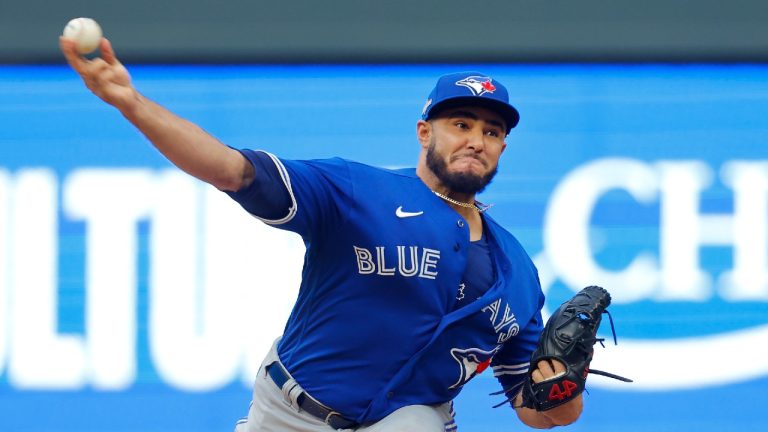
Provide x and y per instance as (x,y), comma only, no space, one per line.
(133,107)
(566,413)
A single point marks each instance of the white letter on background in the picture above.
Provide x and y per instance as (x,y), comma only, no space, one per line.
(221,287)
(111,202)
(195,340)
(684,229)
(40,357)
(567,222)
(749,278)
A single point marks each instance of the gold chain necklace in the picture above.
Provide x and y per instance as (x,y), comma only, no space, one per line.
(475,205)
(453,201)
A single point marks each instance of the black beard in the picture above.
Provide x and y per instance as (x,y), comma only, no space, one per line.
(464,183)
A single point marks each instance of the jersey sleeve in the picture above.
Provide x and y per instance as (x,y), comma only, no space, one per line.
(310,197)
(267,197)
(511,364)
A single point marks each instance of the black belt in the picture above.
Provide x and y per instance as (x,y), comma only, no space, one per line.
(333,419)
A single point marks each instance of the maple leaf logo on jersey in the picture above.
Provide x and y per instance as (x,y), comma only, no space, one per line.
(472,361)
(478,85)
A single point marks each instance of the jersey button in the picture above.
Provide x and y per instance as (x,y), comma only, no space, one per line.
(460,223)
(456,247)
(390,394)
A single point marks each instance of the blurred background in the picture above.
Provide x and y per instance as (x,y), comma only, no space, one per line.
(134,298)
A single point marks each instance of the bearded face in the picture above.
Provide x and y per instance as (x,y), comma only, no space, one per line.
(465,182)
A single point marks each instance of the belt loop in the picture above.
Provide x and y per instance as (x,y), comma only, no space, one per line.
(299,400)
(286,389)
(292,390)
(329,419)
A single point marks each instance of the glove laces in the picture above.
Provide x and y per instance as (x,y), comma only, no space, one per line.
(615,342)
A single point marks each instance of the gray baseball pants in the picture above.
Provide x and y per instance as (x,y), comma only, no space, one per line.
(273,410)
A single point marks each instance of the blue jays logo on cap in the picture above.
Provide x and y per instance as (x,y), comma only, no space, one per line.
(479,85)
(473,89)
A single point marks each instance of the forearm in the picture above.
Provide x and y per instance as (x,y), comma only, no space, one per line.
(188,146)
(182,142)
(559,416)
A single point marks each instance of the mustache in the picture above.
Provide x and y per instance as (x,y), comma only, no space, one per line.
(470,154)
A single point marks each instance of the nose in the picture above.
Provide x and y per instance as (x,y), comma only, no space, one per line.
(476,140)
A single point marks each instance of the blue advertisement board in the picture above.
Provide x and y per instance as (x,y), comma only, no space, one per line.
(135,298)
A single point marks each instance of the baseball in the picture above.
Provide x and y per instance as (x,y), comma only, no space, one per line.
(85,32)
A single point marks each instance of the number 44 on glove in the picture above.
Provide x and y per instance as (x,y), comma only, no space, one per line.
(569,337)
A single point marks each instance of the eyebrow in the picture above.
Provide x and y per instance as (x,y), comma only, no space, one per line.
(473,116)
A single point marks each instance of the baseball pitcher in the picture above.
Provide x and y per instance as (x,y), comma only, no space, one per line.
(409,287)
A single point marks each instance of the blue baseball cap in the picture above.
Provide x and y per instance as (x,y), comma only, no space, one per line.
(470,88)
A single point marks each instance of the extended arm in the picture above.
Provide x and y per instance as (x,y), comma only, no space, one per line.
(185,144)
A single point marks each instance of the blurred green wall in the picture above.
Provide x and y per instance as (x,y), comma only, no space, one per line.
(296,31)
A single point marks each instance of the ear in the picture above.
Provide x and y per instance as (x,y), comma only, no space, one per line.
(424,132)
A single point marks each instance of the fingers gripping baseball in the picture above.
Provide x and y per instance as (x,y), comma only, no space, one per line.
(106,77)
(107,52)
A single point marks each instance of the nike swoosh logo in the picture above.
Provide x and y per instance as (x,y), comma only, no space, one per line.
(404,214)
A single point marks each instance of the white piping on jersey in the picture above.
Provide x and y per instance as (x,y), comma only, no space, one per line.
(517,369)
(287,181)
(514,366)
(520,372)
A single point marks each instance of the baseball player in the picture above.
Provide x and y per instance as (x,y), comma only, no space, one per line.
(409,289)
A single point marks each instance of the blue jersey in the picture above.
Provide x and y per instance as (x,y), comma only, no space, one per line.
(375,326)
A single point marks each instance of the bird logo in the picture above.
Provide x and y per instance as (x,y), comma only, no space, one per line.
(472,361)
(478,85)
